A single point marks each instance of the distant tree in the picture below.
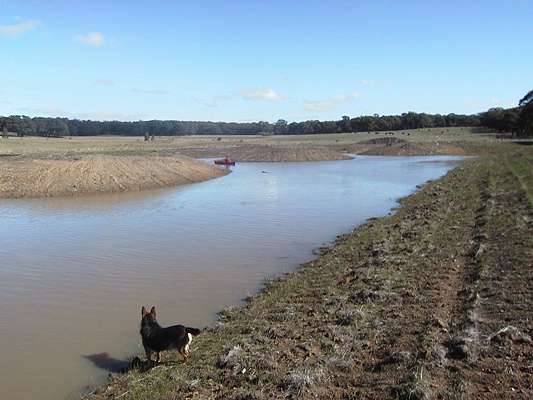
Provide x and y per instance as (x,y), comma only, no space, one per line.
(294,128)
(281,127)
(525,119)
(345,124)
(498,119)
(510,120)
(27,127)
(58,128)
(527,99)
(493,119)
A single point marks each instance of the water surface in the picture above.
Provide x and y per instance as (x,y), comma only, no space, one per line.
(74,272)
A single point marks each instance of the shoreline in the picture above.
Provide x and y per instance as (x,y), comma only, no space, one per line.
(33,167)
(98,174)
(25,176)
(376,305)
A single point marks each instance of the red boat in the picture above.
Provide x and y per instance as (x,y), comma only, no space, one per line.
(225,161)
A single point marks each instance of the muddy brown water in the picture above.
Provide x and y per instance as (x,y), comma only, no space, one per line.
(74,272)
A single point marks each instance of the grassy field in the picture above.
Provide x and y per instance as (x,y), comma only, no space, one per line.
(433,302)
(254,146)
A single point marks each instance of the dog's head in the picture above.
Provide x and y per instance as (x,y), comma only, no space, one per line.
(148,318)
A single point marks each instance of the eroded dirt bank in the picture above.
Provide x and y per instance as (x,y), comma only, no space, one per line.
(269,153)
(393,146)
(386,146)
(433,302)
(98,174)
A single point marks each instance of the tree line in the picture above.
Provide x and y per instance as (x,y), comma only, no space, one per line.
(518,120)
(55,127)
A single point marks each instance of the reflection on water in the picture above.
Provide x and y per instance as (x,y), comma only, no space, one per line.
(75,271)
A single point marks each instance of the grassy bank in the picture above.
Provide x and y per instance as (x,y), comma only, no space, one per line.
(432,302)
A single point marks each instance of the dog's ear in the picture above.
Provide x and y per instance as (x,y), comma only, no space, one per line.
(143,312)
(152,311)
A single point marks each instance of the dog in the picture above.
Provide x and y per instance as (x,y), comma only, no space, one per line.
(156,339)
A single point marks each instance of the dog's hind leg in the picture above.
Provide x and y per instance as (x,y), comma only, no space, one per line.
(148,354)
(186,349)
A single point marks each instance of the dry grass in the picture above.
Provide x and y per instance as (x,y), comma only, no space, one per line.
(254,146)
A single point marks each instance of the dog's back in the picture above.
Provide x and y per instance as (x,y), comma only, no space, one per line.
(159,339)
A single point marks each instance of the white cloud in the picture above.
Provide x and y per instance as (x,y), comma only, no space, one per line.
(150,91)
(262,94)
(365,82)
(18,28)
(95,39)
(329,104)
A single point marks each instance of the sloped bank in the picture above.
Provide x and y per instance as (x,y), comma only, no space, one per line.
(393,146)
(412,306)
(268,153)
(24,178)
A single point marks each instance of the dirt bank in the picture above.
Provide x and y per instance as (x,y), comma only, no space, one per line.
(433,302)
(393,146)
(268,153)
(387,146)
(97,174)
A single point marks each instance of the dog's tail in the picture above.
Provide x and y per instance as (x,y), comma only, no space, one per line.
(193,331)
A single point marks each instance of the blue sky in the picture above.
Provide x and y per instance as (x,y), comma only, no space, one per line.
(262,60)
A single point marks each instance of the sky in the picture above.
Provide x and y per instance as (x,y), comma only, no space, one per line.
(263,60)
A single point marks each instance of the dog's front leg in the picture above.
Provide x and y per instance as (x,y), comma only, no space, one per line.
(148,354)
(157,357)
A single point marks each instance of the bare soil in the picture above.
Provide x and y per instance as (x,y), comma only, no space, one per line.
(412,149)
(26,177)
(433,302)
(266,153)
(394,146)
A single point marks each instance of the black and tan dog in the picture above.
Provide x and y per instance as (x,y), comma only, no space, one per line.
(157,339)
